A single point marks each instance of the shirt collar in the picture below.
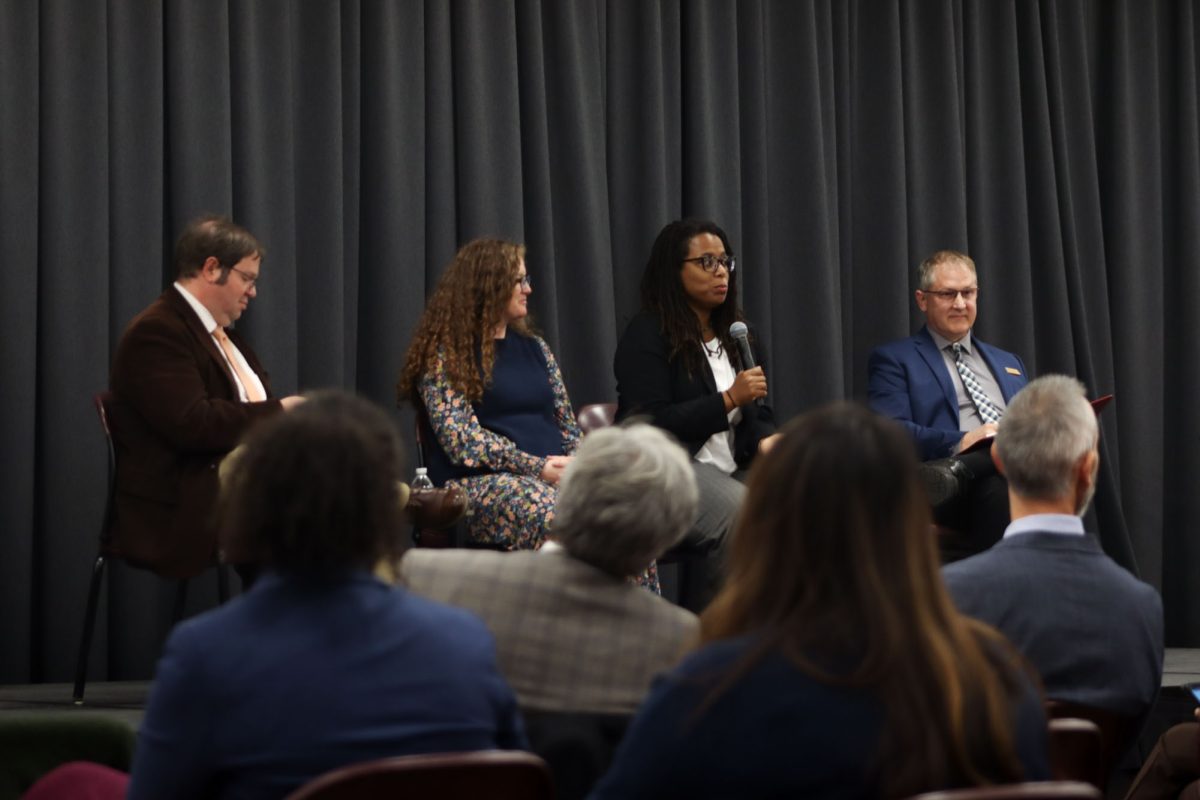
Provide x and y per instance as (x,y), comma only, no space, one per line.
(1067,524)
(942,342)
(551,546)
(206,317)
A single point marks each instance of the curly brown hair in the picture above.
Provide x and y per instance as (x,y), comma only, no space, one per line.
(461,316)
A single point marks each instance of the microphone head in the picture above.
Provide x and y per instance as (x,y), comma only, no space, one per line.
(738,330)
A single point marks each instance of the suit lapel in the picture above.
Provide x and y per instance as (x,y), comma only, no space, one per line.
(1008,383)
(203,338)
(933,358)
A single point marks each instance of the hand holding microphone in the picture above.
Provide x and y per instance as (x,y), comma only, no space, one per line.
(750,385)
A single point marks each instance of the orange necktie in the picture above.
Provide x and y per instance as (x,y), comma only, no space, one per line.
(252,392)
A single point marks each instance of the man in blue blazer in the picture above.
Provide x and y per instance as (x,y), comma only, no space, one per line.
(1092,630)
(949,389)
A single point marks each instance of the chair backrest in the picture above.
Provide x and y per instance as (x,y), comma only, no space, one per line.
(578,746)
(1041,790)
(35,742)
(1117,731)
(1076,751)
(495,774)
(594,416)
(103,402)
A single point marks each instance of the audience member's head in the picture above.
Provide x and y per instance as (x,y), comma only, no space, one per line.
(317,490)
(628,495)
(1047,442)
(834,565)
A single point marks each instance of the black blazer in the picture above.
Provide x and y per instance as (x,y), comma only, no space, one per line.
(686,404)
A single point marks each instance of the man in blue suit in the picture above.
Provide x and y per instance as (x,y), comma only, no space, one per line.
(1091,629)
(949,390)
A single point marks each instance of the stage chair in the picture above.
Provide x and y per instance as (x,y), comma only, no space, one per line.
(1041,790)
(108,550)
(594,416)
(494,774)
(436,514)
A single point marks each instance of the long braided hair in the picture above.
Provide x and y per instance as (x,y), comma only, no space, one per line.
(664,297)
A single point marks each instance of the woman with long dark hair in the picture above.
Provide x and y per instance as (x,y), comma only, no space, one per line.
(833,663)
(678,364)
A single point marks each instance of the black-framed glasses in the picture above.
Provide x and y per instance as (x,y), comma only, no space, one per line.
(950,295)
(523,282)
(709,263)
(251,280)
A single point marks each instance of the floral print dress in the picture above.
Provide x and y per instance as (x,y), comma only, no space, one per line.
(510,506)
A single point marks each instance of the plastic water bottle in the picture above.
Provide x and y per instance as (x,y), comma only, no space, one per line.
(421,479)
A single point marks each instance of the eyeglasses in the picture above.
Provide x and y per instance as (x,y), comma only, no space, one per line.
(523,282)
(950,295)
(709,263)
(251,280)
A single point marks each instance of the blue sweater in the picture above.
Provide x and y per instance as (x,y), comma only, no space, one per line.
(776,732)
(294,679)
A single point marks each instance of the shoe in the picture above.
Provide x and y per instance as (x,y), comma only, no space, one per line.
(944,480)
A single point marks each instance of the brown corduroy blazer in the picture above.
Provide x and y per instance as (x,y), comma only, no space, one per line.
(175,414)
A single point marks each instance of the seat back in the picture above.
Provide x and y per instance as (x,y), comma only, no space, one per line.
(1041,790)
(495,774)
(594,416)
(33,743)
(578,747)
(1117,731)
(1076,751)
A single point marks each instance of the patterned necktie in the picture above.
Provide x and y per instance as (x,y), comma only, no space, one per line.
(252,392)
(987,410)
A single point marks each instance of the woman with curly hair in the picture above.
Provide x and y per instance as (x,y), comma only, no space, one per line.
(678,364)
(834,663)
(496,411)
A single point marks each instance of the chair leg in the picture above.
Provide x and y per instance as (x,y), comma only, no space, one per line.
(89,624)
(222,583)
(180,601)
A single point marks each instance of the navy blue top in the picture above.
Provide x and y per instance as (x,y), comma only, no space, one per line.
(296,678)
(518,404)
(776,732)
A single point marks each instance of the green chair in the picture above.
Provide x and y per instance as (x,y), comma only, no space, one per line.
(33,743)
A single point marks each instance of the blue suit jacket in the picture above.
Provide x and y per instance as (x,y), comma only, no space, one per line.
(1093,631)
(908,381)
(296,678)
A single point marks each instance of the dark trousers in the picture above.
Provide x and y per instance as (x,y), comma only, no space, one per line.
(975,520)
(1173,767)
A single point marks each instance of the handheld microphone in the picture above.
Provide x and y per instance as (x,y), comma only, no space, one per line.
(741,335)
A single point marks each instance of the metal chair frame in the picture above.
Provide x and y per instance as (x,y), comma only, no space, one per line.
(103,401)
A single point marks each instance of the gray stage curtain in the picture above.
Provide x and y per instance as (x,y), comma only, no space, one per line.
(838,142)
